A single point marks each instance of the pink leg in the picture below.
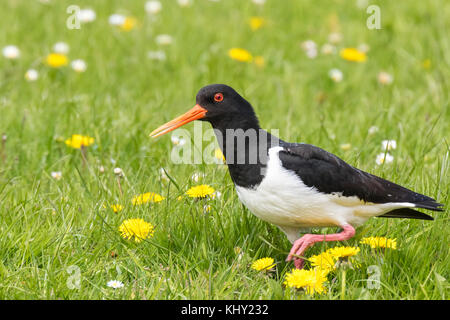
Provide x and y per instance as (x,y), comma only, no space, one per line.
(308,240)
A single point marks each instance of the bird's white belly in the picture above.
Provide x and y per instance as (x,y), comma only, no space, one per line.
(284,200)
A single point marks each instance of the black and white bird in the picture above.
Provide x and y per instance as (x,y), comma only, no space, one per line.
(295,186)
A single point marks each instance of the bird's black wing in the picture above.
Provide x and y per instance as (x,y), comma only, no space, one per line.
(329,174)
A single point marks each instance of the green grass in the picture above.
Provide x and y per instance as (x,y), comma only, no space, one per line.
(46,226)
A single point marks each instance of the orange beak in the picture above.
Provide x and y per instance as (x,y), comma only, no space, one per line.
(197,112)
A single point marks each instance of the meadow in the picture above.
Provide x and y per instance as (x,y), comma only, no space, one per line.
(59,204)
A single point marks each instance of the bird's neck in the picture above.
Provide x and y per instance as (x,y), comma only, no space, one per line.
(245,147)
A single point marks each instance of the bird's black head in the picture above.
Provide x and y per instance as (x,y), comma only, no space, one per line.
(218,104)
(222,102)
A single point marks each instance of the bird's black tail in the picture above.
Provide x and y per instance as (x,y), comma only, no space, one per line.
(406,213)
(430,205)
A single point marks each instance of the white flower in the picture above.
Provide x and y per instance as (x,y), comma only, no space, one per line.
(328,48)
(372,130)
(86,15)
(57,175)
(178,141)
(197,176)
(336,75)
(385,78)
(259,2)
(363,47)
(184,3)
(61,47)
(163,39)
(362,4)
(118,172)
(384,158)
(216,194)
(153,7)
(157,55)
(101,169)
(31,75)
(11,52)
(311,53)
(116,19)
(116,284)
(78,65)
(308,45)
(335,37)
(389,145)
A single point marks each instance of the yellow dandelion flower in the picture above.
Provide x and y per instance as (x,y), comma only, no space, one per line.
(259,61)
(137,229)
(426,64)
(256,23)
(380,242)
(146,198)
(311,280)
(200,191)
(263,264)
(56,60)
(343,252)
(116,207)
(353,54)
(77,141)
(128,24)
(240,55)
(324,261)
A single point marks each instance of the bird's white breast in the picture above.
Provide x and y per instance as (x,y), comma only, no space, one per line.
(284,200)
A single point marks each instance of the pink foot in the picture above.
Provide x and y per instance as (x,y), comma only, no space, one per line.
(308,240)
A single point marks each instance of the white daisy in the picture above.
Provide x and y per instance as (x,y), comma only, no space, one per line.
(31,75)
(259,2)
(86,15)
(311,53)
(61,47)
(163,39)
(78,65)
(116,19)
(364,47)
(184,3)
(385,78)
(57,175)
(11,52)
(336,75)
(153,7)
(389,145)
(116,284)
(384,158)
(197,176)
(373,130)
(118,172)
(178,141)
(308,45)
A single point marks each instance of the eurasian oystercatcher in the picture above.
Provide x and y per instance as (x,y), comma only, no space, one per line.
(295,186)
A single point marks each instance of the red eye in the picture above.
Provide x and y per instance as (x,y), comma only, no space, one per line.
(218,97)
